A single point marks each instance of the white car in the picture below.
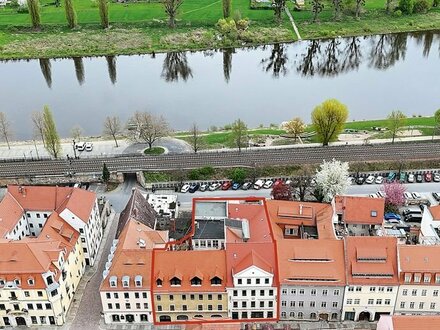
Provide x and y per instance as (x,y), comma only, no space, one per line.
(436,177)
(370,179)
(407,195)
(410,178)
(258,184)
(416,195)
(203,187)
(80,146)
(89,146)
(185,188)
(268,184)
(214,186)
(379,180)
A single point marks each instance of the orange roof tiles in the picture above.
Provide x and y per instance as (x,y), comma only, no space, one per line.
(360,210)
(312,262)
(413,322)
(382,260)
(135,233)
(186,265)
(419,259)
(81,202)
(10,214)
(39,198)
(435,212)
(253,259)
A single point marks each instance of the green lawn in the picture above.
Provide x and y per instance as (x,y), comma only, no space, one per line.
(154,151)
(366,125)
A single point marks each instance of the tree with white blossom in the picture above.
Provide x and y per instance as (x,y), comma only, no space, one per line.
(331,180)
(393,195)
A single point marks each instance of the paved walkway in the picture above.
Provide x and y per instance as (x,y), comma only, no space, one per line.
(85,312)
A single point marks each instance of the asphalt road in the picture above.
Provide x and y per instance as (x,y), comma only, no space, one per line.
(185,199)
(250,158)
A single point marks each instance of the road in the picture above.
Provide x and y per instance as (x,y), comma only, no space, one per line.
(250,158)
(185,199)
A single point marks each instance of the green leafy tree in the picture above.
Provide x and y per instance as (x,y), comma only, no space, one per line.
(239,134)
(51,137)
(328,120)
(34,12)
(295,127)
(70,14)
(238,175)
(226,8)
(396,122)
(436,122)
(406,6)
(105,173)
(103,13)
(171,8)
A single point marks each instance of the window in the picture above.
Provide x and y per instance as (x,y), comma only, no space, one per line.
(284,291)
(126,295)
(301,291)
(405,292)
(372,289)
(172,308)
(324,292)
(199,307)
(109,306)
(192,297)
(219,307)
(116,295)
(270,303)
(270,292)
(39,306)
(159,308)
(312,304)
(27,294)
(370,301)
(378,301)
(349,301)
(323,304)
(283,303)
(235,304)
(283,315)
(158,297)
(357,301)
(31,281)
(432,306)
(387,302)
(144,295)
(313,292)
(175,281)
(262,293)
(216,281)
(29,306)
(125,281)
(402,304)
(257,281)
(374,213)
(435,293)
(261,304)
(34,319)
(381,289)
(159,282)
(248,281)
(136,295)
(390,289)
(235,293)
(358,289)
(423,292)
(117,306)
(292,304)
(335,304)
(411,305)
(300,303)
(107,295)
(43,319)
(334,316)
(184,307)
(336,292)
(253,293)
(138,305)
(243,304)
(145,305)
(184,297)
(210,307)
(48,306)
(300,315)
(313,316)
(240,281)
(292,314)
(414,292)
(200,297)
(171,297)
(196,281)
(350,289)
(127,305)
(266,281)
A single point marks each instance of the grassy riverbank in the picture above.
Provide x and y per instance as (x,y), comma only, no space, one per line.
(223,138)
(140,27)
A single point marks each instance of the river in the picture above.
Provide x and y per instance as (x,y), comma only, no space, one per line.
(372,75)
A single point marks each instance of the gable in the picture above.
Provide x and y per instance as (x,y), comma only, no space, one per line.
(252,271)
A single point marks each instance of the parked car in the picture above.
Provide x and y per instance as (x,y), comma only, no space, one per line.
(370,179)
(419,178)
(89,146)
(402,177)
(226,185)
(203,187)
(350,180)
(268,184)
(393,221)
(379,180)
(436,196)
(407,195)
(246,185)
(391,176)
(214,186)
(411,178)
(413,217)
(391,215)
(80,146)
(258,184)
(428,176)
(407,212)
(436,177)
(416,195)
(288,182)
(235,186)
(360,180)
(194,187)
(185,188)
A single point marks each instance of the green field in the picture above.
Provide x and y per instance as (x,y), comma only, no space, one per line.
(141,27)
(154,151)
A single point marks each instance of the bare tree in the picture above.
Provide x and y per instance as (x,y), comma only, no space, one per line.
(301,182)
(147,128)
(5,128)
(38,121)
(112,127)
(171,7)
(76,133)
(195,138)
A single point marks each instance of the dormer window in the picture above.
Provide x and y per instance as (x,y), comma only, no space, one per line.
(407,277)
(125,281)
(2,282)
(216,281)
(31,281)
(17,281)
(159,282)
(138,280)
(49,280)
(417,278)
(437,278)
(113,281)
(427,278)
(176,281)
(374,213)
(196,281)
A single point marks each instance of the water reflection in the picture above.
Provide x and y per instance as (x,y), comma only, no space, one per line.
(46,70)
(79,69)
(276,62)
(227,63)
(175,67)
(111,67)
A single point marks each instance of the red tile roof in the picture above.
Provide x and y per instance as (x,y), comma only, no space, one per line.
(39,198)
(360,210)
(311,262)
(413,322)
(379,256)
(81,203)
(10,214)
(435,212)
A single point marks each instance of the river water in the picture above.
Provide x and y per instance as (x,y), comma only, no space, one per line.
(269,84)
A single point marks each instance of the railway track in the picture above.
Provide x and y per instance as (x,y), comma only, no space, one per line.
(306,155)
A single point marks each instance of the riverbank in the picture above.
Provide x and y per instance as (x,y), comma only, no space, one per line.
(138,28)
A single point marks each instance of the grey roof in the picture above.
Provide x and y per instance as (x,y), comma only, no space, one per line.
(209,229)
(210,209)
(233,223)
(137,209)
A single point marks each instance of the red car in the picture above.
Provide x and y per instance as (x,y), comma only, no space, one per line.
(428,176)
(226,185)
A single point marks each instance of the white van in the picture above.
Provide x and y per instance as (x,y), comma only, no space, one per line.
(80,146)
(258,184)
